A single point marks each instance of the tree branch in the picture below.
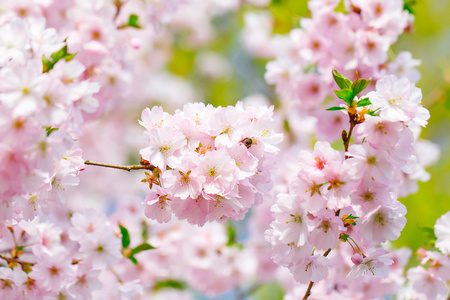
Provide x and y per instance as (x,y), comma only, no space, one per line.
(126,168)
(17,261)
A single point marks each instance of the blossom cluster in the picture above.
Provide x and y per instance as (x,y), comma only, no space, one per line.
(74,73)
(212,164)
(66,259)
(429,280)
(351,197)
(354,41)
(86,256)
(41,111)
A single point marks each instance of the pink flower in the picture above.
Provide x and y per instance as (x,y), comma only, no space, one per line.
(326,230)
(323,157)
(439,264)
(290,220)
(314,269)
(87,222)
(10,281)
(102,249)
(383,223)
(427,283)
(154,117)
(219,171)
(375,264)
(372,47)
(442,231)
(380,133)
(183,182)
(157,206)
(405,66)
(53,270)
(86,280)
(399,100)
(364,160)
(370,194)
(164,145)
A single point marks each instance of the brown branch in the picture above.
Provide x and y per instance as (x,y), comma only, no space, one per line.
(346,136)
(308,290)
(17,261)
(118,5)
(126,168)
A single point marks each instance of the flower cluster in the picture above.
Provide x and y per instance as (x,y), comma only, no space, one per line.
(68,259)
(74,73)
(429,280)
(355,42)
(351,197)
(42,105)
(212,164)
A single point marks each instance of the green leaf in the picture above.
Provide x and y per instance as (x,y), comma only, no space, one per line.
(335,108)
(125,236)
(342,81)
(59,54)
(363,102)
(231,232)
(170,283)
(286,126)
(133,259)
(428,230)
(70,56)
(141,247)
(133,22)
(359,86)
(374,112)
(49,129)
(408,6)
(55,57)
(344,237)
(350,216)
(346,95)
(144,231)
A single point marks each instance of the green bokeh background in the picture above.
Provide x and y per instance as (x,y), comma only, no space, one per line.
(429,41)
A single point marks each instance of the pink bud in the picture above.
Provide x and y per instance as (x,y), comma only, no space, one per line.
(135,43)
(357,258)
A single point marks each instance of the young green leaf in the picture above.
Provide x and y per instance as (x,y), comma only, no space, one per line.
(231,232)
(335,108)
(350,216)
(408,6)
(142,247)
(133,259)
(50,129)
(346,95)
(359,85)
(374,112)
(55,57)
(363,102)
(342,81)
(133,21)
(344,237)
(170,283)
(125,236)
(144,231)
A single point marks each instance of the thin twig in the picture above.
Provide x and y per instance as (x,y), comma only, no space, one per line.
(346,138)
(126,168)
(308,291)
(17,261)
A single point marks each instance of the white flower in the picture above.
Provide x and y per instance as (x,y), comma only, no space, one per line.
(375,264)
(442,231)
